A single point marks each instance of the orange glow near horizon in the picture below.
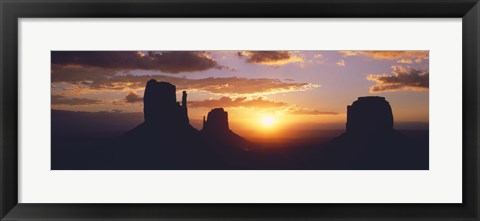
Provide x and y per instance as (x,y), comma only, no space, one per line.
(268,121)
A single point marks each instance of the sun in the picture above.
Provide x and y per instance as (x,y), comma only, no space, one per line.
(268,121)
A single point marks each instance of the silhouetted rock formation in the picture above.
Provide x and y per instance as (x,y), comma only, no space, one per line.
(161,106)
(184,105)
(166,135)
(217,121)
(163,114)
(167,140)
(216,130)
(369,115)
(370,141)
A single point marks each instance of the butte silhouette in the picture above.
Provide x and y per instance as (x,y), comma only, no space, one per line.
(166,140)
(166,121)
(371,142)
(217,132)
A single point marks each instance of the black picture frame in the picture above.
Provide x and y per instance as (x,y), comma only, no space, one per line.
(12,10)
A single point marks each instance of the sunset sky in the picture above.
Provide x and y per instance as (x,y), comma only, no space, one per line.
(262,91)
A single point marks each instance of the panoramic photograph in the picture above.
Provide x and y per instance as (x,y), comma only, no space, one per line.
(240,110)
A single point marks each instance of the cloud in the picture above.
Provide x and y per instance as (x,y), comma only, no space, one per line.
(272,58)
(91,79)
(400,79)
(79,74)
(259,102)
(341,63)
(388,55)
(405,61)
(240,85)
(319,59)
(132,97)
(410,61)
(241,102)
(237,102)
(419,60)
(63,100)
(348,53)
(170,62)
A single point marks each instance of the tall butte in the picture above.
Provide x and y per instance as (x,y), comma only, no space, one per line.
(165,119)
(160,106)
(369,115)
(371,143)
